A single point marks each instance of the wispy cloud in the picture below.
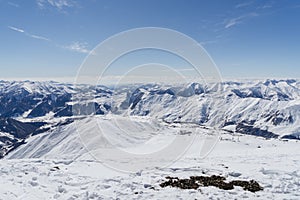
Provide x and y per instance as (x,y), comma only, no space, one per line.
(232,22)
(238,20)
(39,37)
(28,34)
(80,47)
(266,6)
(40,3)
(245,4)
(208,42)
(58,4)
(16,29)
(13,4)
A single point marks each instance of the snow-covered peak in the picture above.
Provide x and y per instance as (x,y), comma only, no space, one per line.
(34,87)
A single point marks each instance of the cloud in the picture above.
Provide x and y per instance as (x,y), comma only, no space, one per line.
(232,22)
(238,20)
(266,6)
(38,37)
(208,42)
(40,3)
(13,4)
(78,47)
(58,4)
(16,29)
(28,34)
(245,4)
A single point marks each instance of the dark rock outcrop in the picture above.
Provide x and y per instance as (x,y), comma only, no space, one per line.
(195,182)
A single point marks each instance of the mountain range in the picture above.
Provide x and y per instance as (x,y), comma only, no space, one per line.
(264,108)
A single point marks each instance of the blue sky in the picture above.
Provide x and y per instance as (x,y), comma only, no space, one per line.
(246,39)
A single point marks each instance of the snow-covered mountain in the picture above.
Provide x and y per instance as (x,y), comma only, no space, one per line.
(49,135)
(269,108)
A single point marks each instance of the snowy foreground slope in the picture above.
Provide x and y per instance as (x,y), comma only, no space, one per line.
(57,166)
(57,139)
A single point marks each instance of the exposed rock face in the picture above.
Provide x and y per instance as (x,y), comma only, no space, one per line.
(16,133)
(195,182)
(250,130)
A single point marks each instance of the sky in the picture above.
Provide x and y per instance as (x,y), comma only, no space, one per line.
(246,39)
